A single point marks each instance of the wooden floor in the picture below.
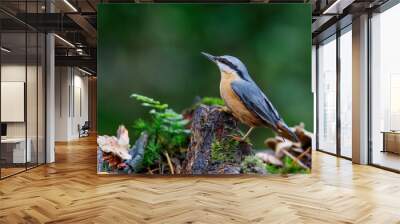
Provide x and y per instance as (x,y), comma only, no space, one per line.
(69,191)
(10,171)
(386,159)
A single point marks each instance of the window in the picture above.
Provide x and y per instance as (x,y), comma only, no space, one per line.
(385,89)
(346,92)
(327,95)
(22,88)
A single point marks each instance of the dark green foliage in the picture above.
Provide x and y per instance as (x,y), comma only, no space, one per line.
(212,101)
(105,167)
(224,150)
(272,169)
(166,129)
(151,154)
(288,167)
(149,102)
(292,167)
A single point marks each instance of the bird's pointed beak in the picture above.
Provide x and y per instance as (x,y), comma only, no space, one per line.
(210,57)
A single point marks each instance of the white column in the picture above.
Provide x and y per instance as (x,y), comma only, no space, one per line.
(314,92)
(50,100)
(50,92)
(360,90)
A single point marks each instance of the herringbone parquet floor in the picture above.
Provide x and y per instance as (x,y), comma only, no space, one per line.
(69,191)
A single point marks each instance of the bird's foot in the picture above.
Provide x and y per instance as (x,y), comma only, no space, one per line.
(237,138)
(224,109)
(240,139)
(243,138)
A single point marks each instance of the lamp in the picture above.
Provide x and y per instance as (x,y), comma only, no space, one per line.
(5,50)
(64,40)
(70,5)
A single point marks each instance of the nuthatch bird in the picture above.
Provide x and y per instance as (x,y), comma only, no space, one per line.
(245,99)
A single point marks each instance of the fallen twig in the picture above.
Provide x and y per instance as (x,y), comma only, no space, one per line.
(169,162)
(298,158)
(150,171)
(294,159)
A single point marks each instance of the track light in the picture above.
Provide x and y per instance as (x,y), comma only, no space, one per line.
(337,7)
(64,40)
(5,50)
(70,5)
(84,71)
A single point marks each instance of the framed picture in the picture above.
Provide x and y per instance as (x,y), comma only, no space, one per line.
(201,89)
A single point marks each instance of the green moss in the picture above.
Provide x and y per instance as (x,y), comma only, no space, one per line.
(224,150)
(250,163)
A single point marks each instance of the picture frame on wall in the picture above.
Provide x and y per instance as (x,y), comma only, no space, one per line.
(204,89)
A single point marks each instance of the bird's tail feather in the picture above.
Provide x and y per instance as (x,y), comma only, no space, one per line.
(285,132)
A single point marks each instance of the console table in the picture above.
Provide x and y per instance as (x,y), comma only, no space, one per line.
(13,150)
(391,141)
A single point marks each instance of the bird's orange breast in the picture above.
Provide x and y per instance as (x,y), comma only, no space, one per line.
(234,103)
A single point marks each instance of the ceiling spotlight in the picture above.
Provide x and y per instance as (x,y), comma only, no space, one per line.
(64,40)
(5,50)
(70,5)
(79,51)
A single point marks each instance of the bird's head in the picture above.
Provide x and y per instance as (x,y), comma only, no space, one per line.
(229,65)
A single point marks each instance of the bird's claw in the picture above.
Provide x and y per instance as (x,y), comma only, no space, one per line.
(237,138)
(225,109)
(240,139)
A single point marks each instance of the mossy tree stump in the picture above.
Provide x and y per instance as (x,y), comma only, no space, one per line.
(209,123)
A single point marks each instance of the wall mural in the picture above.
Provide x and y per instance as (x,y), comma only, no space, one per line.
(188,89)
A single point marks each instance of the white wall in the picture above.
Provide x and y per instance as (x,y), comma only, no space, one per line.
(62,82)
(80,112)
(16,73)
(71,102)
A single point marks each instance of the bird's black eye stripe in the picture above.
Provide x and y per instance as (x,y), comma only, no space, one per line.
(232,66)
(228,63)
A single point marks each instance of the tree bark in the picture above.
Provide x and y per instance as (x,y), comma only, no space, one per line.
(209,123)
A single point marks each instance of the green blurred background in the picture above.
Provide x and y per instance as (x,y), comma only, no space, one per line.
(154,50)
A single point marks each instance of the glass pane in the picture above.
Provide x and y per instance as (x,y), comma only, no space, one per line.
(32,98)
(385,86)
(13,88)
(346,94)
(327,96)
(41,99)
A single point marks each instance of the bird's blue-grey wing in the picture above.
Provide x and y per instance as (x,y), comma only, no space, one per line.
(255,100)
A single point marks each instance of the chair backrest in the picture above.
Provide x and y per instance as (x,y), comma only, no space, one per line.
(86,124)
